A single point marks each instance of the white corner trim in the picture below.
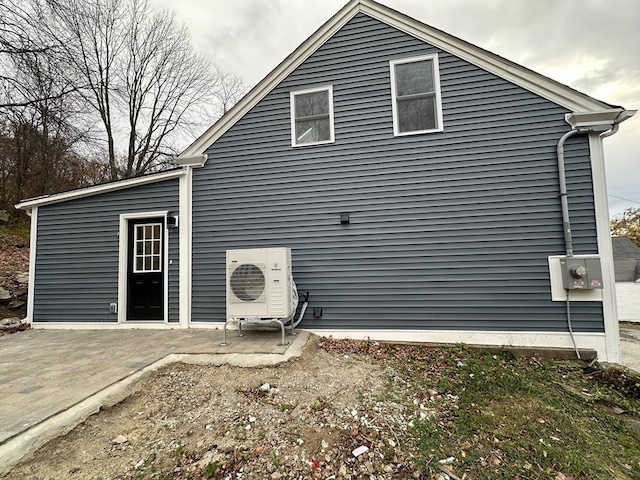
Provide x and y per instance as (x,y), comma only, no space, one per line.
(186,235)
(605,250)
(595,341)
(33,242)
(123,251)
(98,189)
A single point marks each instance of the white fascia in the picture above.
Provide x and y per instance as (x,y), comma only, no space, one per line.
(185,233)
(605,250)
(98,189)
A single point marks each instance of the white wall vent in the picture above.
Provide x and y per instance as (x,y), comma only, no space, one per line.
(260,283)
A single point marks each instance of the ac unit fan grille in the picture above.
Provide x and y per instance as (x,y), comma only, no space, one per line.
(247,282)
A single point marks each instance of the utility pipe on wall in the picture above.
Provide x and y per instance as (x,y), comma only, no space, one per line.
(564,203)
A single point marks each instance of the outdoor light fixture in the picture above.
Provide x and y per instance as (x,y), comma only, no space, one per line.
(172,220)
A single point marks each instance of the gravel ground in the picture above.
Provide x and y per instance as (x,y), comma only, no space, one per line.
(300,420)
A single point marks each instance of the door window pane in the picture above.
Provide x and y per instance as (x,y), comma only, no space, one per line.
(148,247)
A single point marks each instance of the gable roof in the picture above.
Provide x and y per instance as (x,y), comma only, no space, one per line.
(623,247)
(556,92)
(626,260)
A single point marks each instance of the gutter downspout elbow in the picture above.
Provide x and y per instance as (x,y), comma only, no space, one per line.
(613,130)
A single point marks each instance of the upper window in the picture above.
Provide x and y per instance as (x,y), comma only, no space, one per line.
(415,88)
(312,116)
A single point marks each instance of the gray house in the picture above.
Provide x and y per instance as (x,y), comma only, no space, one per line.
(626,266)
(459,172)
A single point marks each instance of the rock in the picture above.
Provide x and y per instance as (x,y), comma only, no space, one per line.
(5,296)
(9,323)
(20,293)
(22,277)
(4,218)
(119,440)
(15,304)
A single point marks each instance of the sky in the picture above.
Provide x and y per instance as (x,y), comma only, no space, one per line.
(590,45)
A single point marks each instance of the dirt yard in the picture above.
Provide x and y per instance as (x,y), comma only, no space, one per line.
(299,420)
(362,410)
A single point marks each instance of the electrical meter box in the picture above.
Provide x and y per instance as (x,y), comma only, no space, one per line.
(584,273)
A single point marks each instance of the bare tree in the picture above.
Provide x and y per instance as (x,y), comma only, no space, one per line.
(21,42)
(39,137)
(136,68)
(229,90)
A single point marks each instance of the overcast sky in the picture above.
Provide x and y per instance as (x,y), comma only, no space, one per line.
(591,45)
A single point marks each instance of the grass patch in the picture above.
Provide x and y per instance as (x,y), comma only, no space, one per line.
(532,417)
(13,233)
(496,416)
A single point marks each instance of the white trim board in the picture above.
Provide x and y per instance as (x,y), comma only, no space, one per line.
(605,250)
(106,325)
(33,242)
(292,106)
(517,74)
(123,246)
(433,58)
(595,341)
(185,240)
(98,189)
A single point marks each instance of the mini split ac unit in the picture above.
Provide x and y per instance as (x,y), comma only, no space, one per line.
(260,283)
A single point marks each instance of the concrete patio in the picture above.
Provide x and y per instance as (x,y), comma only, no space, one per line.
(50,380)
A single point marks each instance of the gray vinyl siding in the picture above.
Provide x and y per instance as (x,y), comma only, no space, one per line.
(77,253)
(448,230)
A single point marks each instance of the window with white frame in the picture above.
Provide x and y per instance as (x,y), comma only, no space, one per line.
(312,116)
(148,245)
(415,90)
